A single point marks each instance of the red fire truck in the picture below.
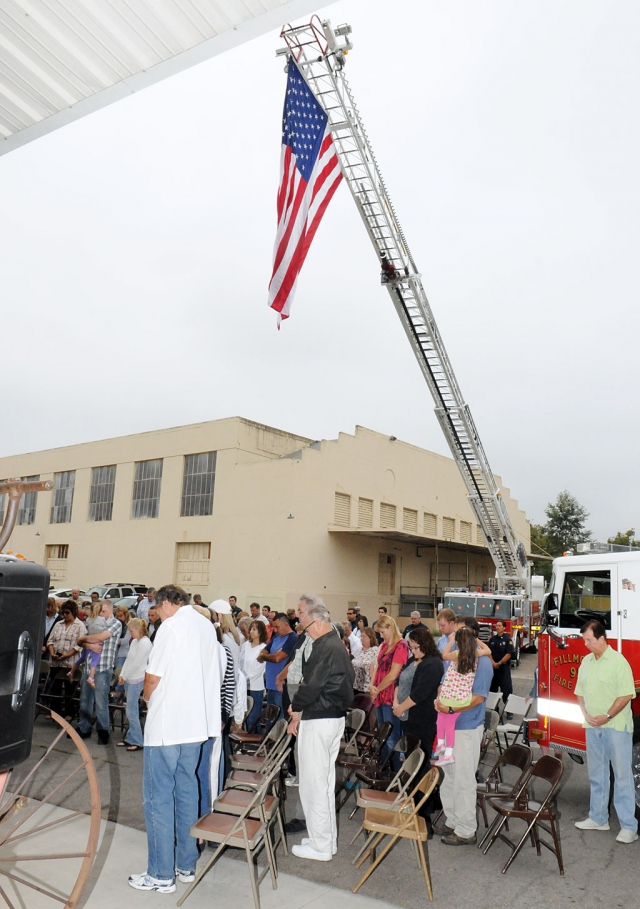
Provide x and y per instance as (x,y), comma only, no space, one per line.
(600,584)
(520,614)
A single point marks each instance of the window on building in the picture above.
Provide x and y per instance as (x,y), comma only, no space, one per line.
(430,524)
(465,531)
(386,574)
(103,483)
(192,564)
(410,520)
(56,560)
(62,502)
(387,515)
(449,528)
(365,512)
(342,510)
(147,480)
(28,502)
(198,481)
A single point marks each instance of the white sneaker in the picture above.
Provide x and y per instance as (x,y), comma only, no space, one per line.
(144,882)
(626,836)
(589,824)
(307,852)
(185,877)
(305,841)
(291,781)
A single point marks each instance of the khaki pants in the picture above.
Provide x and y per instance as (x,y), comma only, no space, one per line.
(458,789)
(318,746)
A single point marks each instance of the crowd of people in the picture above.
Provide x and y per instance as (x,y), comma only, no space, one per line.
(192,667)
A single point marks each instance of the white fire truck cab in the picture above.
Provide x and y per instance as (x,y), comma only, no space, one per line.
(602,585)
(520,613)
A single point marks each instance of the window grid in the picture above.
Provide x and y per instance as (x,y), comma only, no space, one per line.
(62,503)
(387,515)
(198,482)
(410,520)
(192,563)
(365,512)
(342,509)
(28,502)
(465,531)
(430,524)
(146,489)
(57,557)
(449,528)
(103,482)
(479,535)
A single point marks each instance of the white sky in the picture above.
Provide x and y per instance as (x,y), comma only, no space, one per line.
(136,247)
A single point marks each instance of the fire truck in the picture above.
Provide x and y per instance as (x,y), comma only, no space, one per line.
(316,56)
(602,583)
(520,614)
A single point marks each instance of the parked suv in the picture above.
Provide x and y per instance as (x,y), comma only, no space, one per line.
(117,591)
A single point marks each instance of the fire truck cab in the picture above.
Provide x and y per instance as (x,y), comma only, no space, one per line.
(520,614)
(598,585)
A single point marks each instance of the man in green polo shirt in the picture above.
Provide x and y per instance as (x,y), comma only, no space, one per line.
(605,690)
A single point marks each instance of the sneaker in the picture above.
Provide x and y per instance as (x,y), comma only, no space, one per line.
(291,781)
(438,750)
(307,852)
(589,824)
(185,877)
(454,840)
(626,836)
(305,841)
(445,759)
(144,882)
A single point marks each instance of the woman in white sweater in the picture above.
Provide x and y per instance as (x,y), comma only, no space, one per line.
(132,677)
(253,670)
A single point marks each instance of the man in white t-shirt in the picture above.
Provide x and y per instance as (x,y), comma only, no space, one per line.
(182,688)
(254,609)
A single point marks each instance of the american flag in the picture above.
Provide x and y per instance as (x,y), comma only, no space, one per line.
(309,176)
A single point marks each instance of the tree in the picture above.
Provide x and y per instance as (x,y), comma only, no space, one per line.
(625,539)
(565,526)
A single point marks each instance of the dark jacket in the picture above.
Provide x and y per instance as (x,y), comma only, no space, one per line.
(326,690)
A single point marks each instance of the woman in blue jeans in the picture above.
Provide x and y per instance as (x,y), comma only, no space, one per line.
(253,670)
(392,657)
(132,677)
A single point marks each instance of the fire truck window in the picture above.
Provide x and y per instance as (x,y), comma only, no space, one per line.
(461,605)
(586,595)
(502,609)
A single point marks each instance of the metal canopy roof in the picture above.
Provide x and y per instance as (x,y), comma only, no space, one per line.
(62,59)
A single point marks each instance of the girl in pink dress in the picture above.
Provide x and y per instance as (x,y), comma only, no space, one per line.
(456,689)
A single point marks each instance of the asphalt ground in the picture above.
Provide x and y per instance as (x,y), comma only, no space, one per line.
(597,869)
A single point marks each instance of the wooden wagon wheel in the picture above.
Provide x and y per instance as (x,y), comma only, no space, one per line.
(34,827)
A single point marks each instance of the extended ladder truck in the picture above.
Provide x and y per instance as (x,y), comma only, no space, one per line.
(320,52)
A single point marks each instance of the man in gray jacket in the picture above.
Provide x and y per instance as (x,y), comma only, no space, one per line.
(317,718)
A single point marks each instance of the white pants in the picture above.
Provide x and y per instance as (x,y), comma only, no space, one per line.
(458,789)
(318,746)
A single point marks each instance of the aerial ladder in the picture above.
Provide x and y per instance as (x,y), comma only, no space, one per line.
(320,53)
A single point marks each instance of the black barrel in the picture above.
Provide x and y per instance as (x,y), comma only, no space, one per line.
(24,588)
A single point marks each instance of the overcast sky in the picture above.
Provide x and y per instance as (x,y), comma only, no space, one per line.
(137,242)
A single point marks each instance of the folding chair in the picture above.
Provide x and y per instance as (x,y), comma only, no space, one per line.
(494,702)
(518,756)
(491,721)
(519,708)
(273,738)
(242,832)
(403,822)
(534,812)
(370,755)
(252,779)
(251,739)
(354,721)
(395,792)
(378,775)
(364,702)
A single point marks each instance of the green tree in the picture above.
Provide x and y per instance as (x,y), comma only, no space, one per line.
(565,527)
(625,539)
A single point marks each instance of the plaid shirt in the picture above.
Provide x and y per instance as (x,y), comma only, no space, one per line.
(109,648)
(64,638)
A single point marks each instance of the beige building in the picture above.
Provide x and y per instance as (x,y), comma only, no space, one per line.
(234,507)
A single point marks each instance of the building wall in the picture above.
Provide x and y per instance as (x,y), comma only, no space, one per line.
(272,532)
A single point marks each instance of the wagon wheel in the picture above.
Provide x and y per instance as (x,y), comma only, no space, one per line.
(39,850)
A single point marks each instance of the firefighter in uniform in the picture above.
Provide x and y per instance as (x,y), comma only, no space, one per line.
(502,651)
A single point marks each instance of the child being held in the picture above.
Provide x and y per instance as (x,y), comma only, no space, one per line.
(95,624)
(456,688)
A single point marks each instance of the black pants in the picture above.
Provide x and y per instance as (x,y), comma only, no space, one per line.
(502,681)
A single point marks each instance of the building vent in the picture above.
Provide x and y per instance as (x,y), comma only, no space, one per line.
(192,564)
(57,558)
(342,510)
(365,512)
(449,528)
(430,524)
(387,515)
(465,531)
(410,520)
(480,536)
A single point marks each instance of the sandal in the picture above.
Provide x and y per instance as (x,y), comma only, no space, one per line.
(134,747)
(121,744)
